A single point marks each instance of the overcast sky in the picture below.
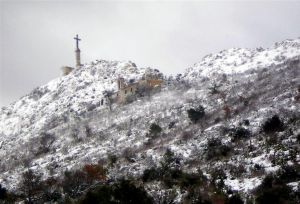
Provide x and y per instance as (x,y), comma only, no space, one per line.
(36,37)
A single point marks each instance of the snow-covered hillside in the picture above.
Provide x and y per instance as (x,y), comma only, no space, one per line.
(238,60)
(62,125)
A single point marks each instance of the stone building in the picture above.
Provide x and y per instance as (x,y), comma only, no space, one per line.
(66,70)
(136,88)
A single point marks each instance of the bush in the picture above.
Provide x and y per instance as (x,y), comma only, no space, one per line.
(239,133)
(169,161)
(273,190)
(289,173)
(217,177)
(94,173)
(235,199)
(215,149)
(154,130)
(103,194)
(197,196)
(31,186)
(3,193)
(74,183)
(171,124)
(272,125)
(246,122)
(151,175)
(196,114)
(112,159)
(123,191)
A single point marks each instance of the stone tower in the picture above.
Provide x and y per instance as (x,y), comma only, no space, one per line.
(77,52)
(121,83)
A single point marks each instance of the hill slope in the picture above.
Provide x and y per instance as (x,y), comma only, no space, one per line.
(62,125)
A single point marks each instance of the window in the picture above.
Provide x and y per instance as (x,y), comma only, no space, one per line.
(131,90)
(125,91)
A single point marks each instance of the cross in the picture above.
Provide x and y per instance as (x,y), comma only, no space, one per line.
(77,40)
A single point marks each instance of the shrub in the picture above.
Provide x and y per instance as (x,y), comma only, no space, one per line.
(123,191)
(126,192)
(197,196)
(51,194)
(289,173)
(217,177)
(272,125)
(273,190)
(154,130)
(46,140)
(246,122)
(74,183)
(94,173)
(102,194)
(171,124)
(3,193)
(31,186)
(151,175)
(215,149)
(112,159)
(239,133)
(235,199)
(169,161)
(196,114)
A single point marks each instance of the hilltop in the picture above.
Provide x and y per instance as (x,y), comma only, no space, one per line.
(62,125)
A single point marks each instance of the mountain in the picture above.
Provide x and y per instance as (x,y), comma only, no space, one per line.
(62,125)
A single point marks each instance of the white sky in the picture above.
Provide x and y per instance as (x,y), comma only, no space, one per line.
(36,37)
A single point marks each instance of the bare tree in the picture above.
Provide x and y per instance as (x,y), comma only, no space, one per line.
(31,186)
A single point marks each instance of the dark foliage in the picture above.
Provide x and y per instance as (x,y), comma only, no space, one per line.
(239,133)
(102,194)
(112,159)
(74,183)
(3,193)
(195,196)
(196,114)
(289,173)
(217,178)
(154,130)
(273,190)
(31,186)
(215,149)
(235,199)
(246,122)
(124,192)
(272,125)
(151,174)
(171,124)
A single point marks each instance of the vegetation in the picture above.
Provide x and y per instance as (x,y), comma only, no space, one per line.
(3,193)
(273,191)
(215,149)
(154,130)
(238,133)
(272,125)
(196,114)
(123,191)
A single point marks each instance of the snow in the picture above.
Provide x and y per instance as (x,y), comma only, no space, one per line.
(245,185)
(61,108)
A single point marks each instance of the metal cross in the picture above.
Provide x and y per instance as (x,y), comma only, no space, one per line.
(77,40)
